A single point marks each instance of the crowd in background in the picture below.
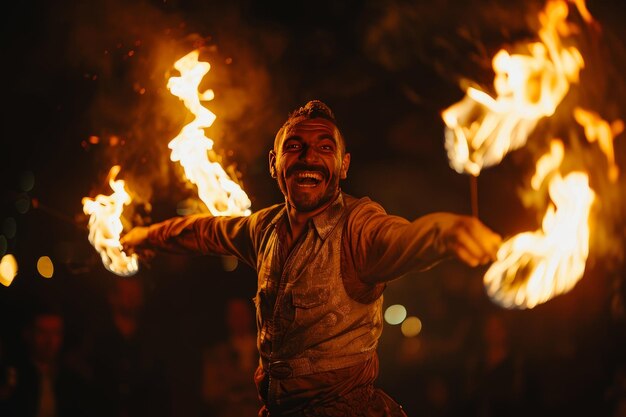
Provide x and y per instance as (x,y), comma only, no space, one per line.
(143,351)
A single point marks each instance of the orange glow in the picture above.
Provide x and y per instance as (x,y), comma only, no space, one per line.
(533,267)
(105,226)
(598,129)
(411,327)
(8,269)
(45,267)
(219,192)
(481,129)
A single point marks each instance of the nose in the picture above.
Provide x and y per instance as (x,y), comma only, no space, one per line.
(309,154)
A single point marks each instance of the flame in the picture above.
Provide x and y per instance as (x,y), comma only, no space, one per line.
(192,148)
(548,163)
(481,129)
(533,267)
(598,129)
(105,226)
(584,11)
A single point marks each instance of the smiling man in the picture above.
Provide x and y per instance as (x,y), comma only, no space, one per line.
(323,259)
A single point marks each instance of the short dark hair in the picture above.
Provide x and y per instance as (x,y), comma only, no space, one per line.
(314,109)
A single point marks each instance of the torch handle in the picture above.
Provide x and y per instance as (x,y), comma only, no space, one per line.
(474,194)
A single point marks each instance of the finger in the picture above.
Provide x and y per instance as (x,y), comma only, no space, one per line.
(485,238)
(466,257)
(471,244)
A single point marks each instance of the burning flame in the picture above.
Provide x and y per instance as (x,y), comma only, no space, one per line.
(548,163)
(105,226)
(533,267)
(481,129)
(193,149)
(598,129)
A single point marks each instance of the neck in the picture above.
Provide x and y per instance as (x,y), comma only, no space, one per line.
(298,219)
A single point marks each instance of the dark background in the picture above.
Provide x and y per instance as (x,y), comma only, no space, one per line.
(74,70)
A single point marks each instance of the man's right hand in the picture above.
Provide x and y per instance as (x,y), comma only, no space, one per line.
(135,241)
(469,239)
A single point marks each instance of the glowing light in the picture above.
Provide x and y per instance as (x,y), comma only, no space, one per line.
(411,327)
(105,226)
(481,129)
(8,269)
(219,192)
(395,314)
(45,267)
(533,267)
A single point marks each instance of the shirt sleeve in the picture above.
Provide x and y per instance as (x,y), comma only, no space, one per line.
(384,247)
(206,234)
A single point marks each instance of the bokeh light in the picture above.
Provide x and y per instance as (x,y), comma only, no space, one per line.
(229,263)
(395,314)
(8,269)
(45,267)
(411,327)
(27,181)
(22,204)
(9,227)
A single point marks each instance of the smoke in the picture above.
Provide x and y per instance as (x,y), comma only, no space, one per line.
(456,39)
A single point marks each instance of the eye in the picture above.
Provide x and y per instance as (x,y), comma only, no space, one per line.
(291,146)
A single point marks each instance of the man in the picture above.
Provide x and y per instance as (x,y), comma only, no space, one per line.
(322,258)
(44,385)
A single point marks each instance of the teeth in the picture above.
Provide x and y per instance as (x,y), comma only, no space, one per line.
(313,175)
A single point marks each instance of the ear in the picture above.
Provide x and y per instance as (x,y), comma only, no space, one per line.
(345,164)
(272,163)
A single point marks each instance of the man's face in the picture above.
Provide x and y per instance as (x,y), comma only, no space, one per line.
(47,337)
(308,163)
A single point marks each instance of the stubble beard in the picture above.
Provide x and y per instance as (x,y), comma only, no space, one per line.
(305,202)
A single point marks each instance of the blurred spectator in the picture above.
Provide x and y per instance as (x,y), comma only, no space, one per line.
(228,386)
(40,384)
(129,379)
(496,385)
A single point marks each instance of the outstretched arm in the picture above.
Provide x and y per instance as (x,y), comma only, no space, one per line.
(202,234)
(385,247)
(135,241)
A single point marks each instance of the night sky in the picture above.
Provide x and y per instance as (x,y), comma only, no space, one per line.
(80,70)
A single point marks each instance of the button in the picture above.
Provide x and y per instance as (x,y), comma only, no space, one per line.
(280,370)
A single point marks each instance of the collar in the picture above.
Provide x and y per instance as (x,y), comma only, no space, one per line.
(324,222)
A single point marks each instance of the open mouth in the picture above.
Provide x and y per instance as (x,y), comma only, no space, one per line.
(308,178)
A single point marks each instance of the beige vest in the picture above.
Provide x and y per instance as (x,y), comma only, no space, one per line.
(314,325)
